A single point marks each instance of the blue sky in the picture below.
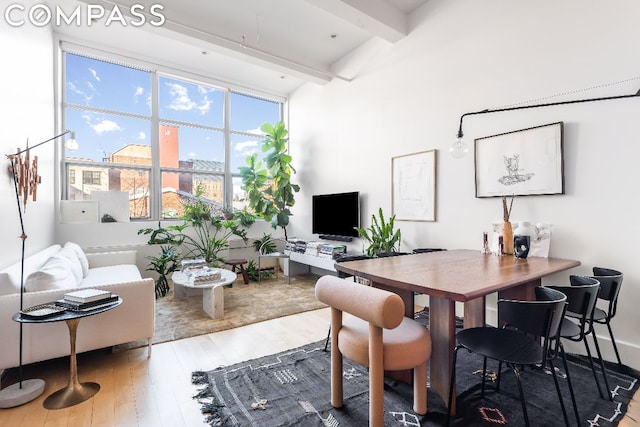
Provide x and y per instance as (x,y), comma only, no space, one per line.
(107,86)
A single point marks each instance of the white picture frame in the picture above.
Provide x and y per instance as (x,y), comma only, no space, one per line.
(413,190)
(520,163)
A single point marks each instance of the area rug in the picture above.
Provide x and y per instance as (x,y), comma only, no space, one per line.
(178,318)
(292,388)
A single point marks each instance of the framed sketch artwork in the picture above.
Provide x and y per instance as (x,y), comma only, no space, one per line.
(413,189)
(521,163)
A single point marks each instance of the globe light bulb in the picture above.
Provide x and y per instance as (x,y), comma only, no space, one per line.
(458,149)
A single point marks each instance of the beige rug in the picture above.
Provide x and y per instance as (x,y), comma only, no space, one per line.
(178,318)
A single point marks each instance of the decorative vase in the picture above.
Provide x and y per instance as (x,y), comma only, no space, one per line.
(522,236)
(507,238)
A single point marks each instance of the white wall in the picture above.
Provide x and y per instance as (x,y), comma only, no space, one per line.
(26,108)
(466,56)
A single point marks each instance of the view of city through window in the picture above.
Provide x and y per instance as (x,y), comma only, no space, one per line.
(156,152)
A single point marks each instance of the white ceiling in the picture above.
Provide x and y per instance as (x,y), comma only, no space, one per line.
(270,45)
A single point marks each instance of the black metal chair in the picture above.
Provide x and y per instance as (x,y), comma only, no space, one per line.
(610,284)
(517,342)
(581,299)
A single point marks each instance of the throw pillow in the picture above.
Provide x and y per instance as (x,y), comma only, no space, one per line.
(70,256)
(54,274)
(82,257)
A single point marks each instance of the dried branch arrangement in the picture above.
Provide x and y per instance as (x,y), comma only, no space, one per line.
(506,211)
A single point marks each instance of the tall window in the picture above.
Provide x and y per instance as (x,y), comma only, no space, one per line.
(160,141)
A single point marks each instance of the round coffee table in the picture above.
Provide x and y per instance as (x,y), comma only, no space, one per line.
(212,293)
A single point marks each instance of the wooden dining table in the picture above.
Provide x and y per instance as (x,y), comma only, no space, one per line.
(447,277)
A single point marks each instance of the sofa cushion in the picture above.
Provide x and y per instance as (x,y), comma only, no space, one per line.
(10,277)
(122,273)
(54,274)
(82,257)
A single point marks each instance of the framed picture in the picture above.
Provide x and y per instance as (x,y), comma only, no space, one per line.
(413,189)
(521,163)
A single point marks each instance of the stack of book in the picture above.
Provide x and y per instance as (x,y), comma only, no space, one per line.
(202,275)
(87,299)
(330,251)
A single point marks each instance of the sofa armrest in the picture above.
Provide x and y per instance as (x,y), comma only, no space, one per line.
(104,259)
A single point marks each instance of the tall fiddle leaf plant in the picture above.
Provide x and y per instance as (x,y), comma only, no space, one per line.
(270,192)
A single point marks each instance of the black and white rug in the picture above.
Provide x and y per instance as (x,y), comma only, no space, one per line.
(293,389)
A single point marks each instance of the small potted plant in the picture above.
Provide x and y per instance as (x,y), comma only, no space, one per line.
(381,236)
(169,238)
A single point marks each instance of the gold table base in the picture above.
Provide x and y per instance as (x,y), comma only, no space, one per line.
(76,392)
(71,395)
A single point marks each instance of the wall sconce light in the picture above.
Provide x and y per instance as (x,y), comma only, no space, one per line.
(459,148)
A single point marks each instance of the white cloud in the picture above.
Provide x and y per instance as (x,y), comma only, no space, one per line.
(105,126)
(257,131)
(141,136)
(181,101)
(73,88)
(95,74)
(241,146)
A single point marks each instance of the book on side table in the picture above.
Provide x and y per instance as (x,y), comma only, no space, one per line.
(87,295)
(86,306)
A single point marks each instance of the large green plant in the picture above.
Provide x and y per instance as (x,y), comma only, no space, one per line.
(381,235)
(169,238)
(270,193)
(209,234)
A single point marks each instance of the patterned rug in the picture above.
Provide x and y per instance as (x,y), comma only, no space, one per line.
(178,318)
(292,388)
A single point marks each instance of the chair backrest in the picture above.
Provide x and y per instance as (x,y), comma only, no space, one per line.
(378,307)
(581,296)
(610,282)
(540,318)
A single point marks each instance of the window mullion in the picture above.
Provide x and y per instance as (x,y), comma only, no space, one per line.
(155,193)
(228,181)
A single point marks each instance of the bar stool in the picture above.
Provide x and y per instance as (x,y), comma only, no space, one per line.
(239,264)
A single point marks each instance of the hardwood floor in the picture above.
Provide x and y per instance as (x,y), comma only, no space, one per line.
(156,391)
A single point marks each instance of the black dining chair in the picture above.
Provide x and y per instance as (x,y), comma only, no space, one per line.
(529,337)
(610,284)
(577,324)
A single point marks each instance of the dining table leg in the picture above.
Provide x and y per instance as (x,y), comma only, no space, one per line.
(442,327)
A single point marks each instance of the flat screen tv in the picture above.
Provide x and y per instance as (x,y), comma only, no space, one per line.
(335,216)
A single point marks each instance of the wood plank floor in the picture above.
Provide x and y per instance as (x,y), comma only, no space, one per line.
(156,391)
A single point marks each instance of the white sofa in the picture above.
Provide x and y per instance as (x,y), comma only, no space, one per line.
(52,272)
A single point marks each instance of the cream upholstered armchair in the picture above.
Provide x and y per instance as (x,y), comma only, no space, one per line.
(378,336)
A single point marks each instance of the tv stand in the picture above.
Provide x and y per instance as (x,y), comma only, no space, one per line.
(336,238)
(302,263)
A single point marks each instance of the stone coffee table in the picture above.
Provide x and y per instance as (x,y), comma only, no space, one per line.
(212,293)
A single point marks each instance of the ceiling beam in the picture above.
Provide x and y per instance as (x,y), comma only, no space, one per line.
(316,73)
(378,17)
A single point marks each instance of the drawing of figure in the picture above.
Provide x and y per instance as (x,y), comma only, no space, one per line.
(513,176)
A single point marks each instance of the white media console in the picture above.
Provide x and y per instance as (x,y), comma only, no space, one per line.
(303,263)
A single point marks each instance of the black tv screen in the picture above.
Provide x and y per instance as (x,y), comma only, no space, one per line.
(336,214)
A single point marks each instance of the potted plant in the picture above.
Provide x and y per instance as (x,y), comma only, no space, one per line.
(208,235)
(380,235)
(169,238)
(270,193)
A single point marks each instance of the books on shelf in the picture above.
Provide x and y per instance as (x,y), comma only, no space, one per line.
(87,295)
(86,306)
